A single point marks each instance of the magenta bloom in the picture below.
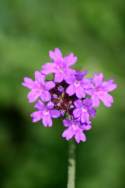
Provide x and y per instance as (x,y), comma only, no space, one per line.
(78,84)
(100,90)
(45,113)
(74,130)
(69,95)
(60,65)
(84,110)
(39,88)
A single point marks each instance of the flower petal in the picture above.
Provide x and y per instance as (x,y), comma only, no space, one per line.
(106,99)
(95,101)
(48,68)
(97,79)
(66,122)
(109,85)
(80,136)
(56,54)
(33,95)
(39,77)
(55,113)
(28,82)
(36,116)
(77,113)
(70,59)
(58,77)
(68,134)
(70,90)
(45,96)
(85,117)
(50,85)
(80,93)
(39,105)
(47,121)
(78,103)
(87,126)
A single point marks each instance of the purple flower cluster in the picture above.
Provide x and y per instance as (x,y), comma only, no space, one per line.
(69,95)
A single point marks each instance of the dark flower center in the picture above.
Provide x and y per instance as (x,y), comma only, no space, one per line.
(62,101)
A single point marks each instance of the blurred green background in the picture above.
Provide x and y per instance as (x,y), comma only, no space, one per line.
(32,156)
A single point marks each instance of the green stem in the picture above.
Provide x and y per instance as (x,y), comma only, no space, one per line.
(71,165)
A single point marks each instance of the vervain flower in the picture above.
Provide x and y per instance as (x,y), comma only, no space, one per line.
(60,65)
(84,110)
(69,95)
(74,129)
(78,84)
(45,113)
(39,88)
(100,89)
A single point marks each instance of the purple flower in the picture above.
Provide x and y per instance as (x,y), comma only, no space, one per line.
(84,110)
(60,65)
(39,88)
(45,113)
(78,84)
(74,130)
(70,95)
(100,90)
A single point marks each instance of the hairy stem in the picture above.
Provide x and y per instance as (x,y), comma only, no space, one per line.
(71,165)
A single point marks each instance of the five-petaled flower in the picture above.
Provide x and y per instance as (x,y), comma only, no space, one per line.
(74,129)
(78,84)
(69,95)
(100,89)
(84,110)
(39,88)
(60,65)
(45,113)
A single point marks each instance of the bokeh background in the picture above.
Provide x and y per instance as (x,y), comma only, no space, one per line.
(32,156)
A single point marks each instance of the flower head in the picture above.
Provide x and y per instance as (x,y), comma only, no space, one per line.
(69,95)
